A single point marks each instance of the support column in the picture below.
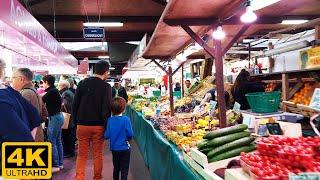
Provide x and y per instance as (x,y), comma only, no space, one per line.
(285,89)
(171,91)
(220,84)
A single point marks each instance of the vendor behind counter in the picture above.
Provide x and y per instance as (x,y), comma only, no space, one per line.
(244,85)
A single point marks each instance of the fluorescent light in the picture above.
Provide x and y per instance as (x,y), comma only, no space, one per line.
(103,57)
(103,24)
(249,16)
(293,21)
(112,68)
(218,33)
(259,4)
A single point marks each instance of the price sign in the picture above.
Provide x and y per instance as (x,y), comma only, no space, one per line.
(315,101)
(236,107)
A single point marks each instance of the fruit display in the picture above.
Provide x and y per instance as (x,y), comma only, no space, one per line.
(185,141)
(304,95)
(226,143)
(277,156)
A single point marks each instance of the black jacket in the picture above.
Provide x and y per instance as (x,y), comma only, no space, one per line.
(92,102)
(67,100)
(53,101)
(239,93)
(121,92)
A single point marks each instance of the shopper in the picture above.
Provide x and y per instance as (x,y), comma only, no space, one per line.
(118,90)
(53,102)
(242,86)
(68,135)
(119,131)
(72,85)
(18,116)
(22,81)
(178,87)
(91,108)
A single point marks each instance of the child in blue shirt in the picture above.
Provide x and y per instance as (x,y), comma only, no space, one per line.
(119,131)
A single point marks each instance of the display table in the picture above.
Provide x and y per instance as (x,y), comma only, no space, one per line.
(165,160)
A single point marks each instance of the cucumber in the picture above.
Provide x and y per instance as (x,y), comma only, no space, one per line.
(202,144)
(228,138)
(205,150)
(232,153)
(231,145)
(225,131)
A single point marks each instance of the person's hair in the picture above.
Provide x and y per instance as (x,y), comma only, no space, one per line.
(64,83)
(101,67)
(49,79)
(2,67)
(188,81)
(243,77)
(118,105)
(75,82)
(71,83)
(178,84)
(26,72)
(64,76)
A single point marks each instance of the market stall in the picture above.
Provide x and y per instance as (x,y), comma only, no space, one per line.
(24,42)
(211,139)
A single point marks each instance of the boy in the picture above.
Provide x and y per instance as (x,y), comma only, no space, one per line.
(119,131)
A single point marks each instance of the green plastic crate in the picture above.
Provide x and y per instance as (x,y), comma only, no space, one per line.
(264,102)
(177,94)
(156,93)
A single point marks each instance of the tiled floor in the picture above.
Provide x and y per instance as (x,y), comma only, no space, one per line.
(138,170)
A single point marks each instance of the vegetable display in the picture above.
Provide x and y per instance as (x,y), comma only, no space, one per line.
(226,143)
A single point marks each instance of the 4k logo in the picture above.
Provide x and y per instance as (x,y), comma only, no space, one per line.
(25,160)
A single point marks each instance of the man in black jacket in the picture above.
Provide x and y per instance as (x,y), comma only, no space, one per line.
(91,108)
(118,90)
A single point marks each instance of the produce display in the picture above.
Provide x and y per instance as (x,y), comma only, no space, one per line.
(278,156)
(304,95)
(226,143)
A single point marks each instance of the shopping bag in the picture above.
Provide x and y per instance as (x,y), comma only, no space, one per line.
(66,117)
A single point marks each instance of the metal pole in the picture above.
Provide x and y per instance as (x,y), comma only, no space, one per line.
(220,84)
(171,92)
(182,81)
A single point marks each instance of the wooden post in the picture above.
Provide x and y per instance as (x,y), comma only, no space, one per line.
(285,89)
(192,70)
(220,84)
(182,81)
(171,91)
(317,32)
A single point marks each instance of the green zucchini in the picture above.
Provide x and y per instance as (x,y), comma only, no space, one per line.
(231,145)
(232,153)
(228,138)
(225,131)
(202,144)
(205,150)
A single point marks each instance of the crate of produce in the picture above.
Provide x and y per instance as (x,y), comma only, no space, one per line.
(264,102)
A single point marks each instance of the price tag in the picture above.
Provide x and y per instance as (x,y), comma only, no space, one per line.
(213,104)
(303,176)
(236,107)
(246,119)
(315,101)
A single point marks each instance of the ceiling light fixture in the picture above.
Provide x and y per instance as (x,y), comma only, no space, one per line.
(294,21)
(103,57)
(112,68)
(103,24)
(249,16)
(218,34)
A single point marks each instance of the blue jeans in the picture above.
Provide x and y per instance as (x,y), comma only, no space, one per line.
(54,135)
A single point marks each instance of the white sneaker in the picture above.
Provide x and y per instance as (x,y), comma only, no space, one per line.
(61,167)
(55,169)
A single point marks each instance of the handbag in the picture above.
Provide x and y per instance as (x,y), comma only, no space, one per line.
(66,117)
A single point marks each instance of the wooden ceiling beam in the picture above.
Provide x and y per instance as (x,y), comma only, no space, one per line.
(235,20)
(71,18)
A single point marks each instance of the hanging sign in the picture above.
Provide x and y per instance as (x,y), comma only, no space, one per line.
(310,58)
(93,33)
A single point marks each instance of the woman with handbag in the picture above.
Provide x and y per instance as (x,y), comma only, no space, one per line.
(68,128)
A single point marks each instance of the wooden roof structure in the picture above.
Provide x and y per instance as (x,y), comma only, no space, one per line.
(202,16)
